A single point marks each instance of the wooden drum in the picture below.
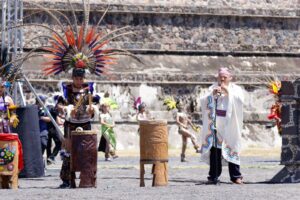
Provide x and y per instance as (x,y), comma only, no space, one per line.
(154,150)
(9,161)
(84,156)
(154,141)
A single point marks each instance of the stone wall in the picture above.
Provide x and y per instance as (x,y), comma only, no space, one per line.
(253,7)
(184,69)
(209,27)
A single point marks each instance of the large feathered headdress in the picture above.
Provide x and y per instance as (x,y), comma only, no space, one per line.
(77,47)
(8,72)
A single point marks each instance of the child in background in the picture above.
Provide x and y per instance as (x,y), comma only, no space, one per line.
(108,139)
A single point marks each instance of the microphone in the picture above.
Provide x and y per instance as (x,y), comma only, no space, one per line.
(219,93)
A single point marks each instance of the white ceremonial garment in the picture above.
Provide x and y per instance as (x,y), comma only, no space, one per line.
(229,127)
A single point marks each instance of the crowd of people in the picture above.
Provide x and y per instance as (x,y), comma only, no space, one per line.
(220,136)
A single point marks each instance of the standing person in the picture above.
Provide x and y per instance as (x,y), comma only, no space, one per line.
(142,113)
(108,139)
(96,105)
(79,114)
(8,74)
(58,115)
(43,123)
(183,123)
(7,117)
(80,48)
(222,115)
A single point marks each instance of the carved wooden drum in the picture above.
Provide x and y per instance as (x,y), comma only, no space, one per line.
(154,141)
(84,156)
(154,150)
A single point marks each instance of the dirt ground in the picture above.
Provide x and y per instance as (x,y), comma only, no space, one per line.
(119,179)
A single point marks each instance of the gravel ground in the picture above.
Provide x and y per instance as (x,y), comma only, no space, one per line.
(120,180)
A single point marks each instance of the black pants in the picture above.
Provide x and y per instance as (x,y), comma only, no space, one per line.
(53,135)
(44,140)
(215,169)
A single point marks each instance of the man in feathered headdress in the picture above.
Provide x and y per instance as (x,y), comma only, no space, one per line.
(79,112)
(222,108)
(77,47)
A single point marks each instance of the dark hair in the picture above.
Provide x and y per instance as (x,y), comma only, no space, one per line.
(141,106)
(78,72)
(106,94)
(178,102)
(59,100)
(96,99)
(43,99)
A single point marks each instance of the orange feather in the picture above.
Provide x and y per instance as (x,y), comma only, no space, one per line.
(51,67)
(70,37)
(80,37)
(110,63)
(50,72)
(100,45)
(107,58)
(53,50)
(51,56)
(97,36)
(90,35)
(57,39)
(55,45)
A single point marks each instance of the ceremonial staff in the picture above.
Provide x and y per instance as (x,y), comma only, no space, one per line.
(60,134)
(215,142)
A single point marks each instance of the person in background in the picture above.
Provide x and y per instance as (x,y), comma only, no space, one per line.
(58,115)
(183,123)
(108,139)
(7,116)
(43,124)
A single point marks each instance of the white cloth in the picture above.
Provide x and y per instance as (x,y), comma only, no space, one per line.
(142,116)
(107,118)
(229,128)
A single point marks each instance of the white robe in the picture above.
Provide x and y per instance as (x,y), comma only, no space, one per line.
(229,133)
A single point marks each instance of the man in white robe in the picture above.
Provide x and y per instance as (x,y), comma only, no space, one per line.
(226,120)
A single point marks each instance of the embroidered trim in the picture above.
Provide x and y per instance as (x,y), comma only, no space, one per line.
(232,154)
(211,127)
